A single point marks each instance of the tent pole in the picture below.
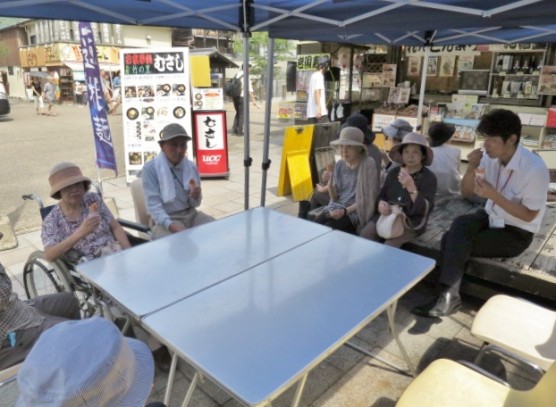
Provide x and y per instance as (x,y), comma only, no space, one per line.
(246,95)
(424,72)
(267,114)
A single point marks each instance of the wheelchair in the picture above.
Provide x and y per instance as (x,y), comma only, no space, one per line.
(41,277)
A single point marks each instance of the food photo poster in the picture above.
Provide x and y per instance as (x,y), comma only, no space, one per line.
(155,92)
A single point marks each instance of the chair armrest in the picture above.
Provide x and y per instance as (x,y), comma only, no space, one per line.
(494,348)
(134,225)
(482,371)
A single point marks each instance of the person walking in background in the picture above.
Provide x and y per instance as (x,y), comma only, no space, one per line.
(49,95)
(37,95)
(237,127)
(317,111)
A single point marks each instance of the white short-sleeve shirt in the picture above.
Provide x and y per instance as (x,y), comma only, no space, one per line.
(524,180)
(445,165)
(316,83)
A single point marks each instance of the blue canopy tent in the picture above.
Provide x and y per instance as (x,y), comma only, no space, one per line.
(391,22)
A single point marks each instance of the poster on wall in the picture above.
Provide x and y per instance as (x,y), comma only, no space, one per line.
(547,80)
(388,75)
(413,66)
(432,66)
(447,65)
(465,62)
(208,99)
(156,92)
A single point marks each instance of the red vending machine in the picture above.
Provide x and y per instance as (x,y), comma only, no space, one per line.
(211,143)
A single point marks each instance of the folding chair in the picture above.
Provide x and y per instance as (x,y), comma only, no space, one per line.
(513,324)
(448,383)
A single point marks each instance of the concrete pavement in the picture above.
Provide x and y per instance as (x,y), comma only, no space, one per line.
(345,378)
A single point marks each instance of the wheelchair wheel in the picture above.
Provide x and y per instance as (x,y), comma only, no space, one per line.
(40,277)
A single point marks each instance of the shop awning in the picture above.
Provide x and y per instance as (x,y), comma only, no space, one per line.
(78,71)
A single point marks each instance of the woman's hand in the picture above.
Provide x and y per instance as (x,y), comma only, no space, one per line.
(321,188)
(384,208)
(406,180)
(90,223)
(338,214)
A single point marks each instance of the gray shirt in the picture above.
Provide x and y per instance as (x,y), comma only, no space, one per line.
(158,210)
(345,181)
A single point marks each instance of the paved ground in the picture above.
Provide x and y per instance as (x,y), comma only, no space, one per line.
(346,378)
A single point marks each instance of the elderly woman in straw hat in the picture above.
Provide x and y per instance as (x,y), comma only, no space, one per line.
(80,220)
(411,186)
(446,161)
(353,186)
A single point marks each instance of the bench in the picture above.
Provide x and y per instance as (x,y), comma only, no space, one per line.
(531,274)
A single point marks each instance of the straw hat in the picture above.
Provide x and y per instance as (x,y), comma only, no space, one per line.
(63,175)
(411,138)
(86,362)
(397,129)
(440,132)
(350,136)
(171,131)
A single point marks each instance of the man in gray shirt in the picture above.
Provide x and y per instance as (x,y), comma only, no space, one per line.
(172,185)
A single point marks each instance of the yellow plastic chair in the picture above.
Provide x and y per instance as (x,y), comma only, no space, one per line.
(447,383)
(519,326)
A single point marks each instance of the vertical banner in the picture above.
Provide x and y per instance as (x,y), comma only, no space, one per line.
(97,105)
(155,92)
(211,143)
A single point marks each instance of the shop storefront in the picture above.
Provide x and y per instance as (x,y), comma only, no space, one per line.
(64,62)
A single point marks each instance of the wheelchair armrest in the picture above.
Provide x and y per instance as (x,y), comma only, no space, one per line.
(134,225)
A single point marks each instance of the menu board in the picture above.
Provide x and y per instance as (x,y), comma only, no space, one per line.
(156,92)
(208,99)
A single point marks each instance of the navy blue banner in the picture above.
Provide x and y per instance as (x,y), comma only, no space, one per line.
(97,103)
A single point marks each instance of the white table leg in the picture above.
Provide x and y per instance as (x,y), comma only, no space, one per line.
(191,389)
(299,390)
(390,312)
(171,377)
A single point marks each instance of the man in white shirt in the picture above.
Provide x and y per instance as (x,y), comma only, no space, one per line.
(316,95)
(237,127)
(514,181)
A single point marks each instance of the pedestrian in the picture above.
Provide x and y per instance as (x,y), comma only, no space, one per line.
(37,95)
(317,112)
(237,127)
(49,95)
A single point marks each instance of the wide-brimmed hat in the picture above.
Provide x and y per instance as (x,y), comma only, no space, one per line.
(171,131)
(440,132)
(411,138)
(350,136)
(63,175)
(362,123)
(397,129)
(86,362)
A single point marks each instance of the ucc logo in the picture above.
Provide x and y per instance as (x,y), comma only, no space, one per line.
(212,159)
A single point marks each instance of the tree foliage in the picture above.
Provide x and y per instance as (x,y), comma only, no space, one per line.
(258,52)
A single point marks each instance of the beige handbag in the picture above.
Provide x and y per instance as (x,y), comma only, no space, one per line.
(393,225)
